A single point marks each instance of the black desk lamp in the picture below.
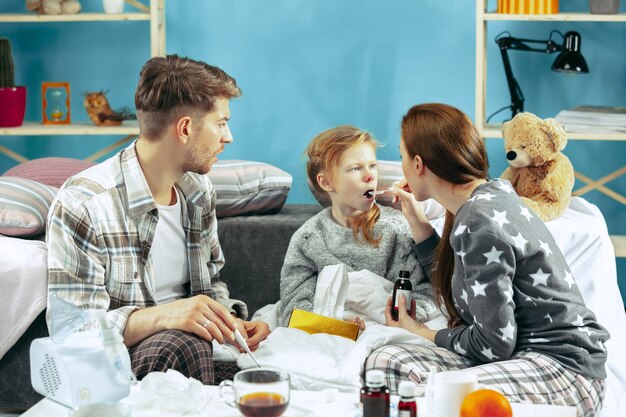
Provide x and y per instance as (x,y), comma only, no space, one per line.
(570,60)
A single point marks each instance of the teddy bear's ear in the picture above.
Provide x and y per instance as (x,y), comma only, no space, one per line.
(503,129)
(556,134)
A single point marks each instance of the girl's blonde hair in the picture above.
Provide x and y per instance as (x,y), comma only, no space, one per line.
(324,153)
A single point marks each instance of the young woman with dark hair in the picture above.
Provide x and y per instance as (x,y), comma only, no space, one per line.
(516,317)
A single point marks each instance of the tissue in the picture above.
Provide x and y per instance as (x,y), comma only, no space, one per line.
(171,391)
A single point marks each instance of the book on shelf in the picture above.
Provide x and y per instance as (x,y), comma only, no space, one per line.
(604,119)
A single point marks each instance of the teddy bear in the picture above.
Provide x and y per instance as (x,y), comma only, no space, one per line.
(53,6)
(538,171)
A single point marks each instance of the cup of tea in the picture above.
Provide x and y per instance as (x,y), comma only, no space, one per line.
(257,392)
(450,389)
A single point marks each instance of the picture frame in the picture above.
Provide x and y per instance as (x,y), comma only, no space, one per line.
(55,103)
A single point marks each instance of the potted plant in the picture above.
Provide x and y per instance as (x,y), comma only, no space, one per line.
(12,98)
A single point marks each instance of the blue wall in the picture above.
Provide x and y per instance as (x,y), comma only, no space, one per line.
(305,66)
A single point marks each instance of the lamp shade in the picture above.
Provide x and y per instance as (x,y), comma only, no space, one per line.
(570,60)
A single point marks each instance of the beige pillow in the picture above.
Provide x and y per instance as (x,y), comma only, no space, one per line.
(248,187)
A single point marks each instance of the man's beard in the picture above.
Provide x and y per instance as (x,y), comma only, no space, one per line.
(196,161)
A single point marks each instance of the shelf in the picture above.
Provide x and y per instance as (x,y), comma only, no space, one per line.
(559,17)
(85,128)
(79,17)
(494,131)
(619,243)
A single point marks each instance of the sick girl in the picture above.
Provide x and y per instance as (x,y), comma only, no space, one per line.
(354,230)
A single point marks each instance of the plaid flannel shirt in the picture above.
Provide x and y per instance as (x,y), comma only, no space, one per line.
(100,231)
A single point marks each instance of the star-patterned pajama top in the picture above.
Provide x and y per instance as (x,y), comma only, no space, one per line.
(512,285)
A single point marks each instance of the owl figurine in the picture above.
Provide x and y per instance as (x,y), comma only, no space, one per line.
(100,111)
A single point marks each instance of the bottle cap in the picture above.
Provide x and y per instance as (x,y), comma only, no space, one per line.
(407,389)
(374,378)
(404,274)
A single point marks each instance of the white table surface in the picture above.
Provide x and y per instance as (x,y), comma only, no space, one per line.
(344,405)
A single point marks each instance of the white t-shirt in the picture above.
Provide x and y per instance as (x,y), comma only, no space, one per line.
(169,254)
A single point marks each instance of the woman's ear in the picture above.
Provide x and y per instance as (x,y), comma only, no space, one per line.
(418,165)
(183,129)
(324,182)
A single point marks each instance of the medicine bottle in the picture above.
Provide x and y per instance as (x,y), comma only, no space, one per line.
(407,407)
(375,395)
(402,286)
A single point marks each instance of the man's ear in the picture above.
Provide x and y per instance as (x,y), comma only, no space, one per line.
(324,182)
(183,129)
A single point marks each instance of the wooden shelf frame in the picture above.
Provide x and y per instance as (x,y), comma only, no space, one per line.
(78,17)
(128,127)
(559,17)
(483,17)
(495,131)
(153,12)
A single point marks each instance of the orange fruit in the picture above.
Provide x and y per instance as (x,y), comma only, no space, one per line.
(486,403)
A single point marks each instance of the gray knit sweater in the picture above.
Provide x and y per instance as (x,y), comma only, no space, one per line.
(321,242)
(512,285)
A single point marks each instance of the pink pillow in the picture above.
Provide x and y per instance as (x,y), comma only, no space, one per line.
(50,171)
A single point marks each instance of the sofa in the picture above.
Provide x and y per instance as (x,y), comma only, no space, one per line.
(254,247)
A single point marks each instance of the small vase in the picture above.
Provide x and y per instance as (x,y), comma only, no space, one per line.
(12,106)
(113,6)
(604,6)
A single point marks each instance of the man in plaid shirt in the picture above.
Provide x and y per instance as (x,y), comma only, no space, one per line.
(137,234)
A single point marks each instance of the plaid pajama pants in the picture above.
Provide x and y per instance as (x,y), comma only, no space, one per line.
(184,352)
(529,377)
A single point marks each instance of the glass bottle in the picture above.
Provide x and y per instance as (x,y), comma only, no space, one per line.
(407,407)
(375,395)
(402,286)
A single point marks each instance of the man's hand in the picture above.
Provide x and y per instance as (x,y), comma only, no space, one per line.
(256,332)
(203,316)
(200,315)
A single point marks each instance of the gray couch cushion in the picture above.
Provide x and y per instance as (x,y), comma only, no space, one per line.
(254,248)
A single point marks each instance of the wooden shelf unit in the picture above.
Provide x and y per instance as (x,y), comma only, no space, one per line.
(80,128)
(494,131)
(559,17)
(78,17)
(154,13)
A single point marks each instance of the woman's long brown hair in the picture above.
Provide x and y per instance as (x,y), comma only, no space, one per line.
(450,146)
(324,153)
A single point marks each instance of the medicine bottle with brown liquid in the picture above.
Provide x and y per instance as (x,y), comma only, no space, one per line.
(407,407)
(375,395)
(402,286)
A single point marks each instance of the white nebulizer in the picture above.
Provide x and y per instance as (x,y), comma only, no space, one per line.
(78,368)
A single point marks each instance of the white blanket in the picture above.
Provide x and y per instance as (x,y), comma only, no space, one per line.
(318,361)
(583,238)
(23,287)
(581,234)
